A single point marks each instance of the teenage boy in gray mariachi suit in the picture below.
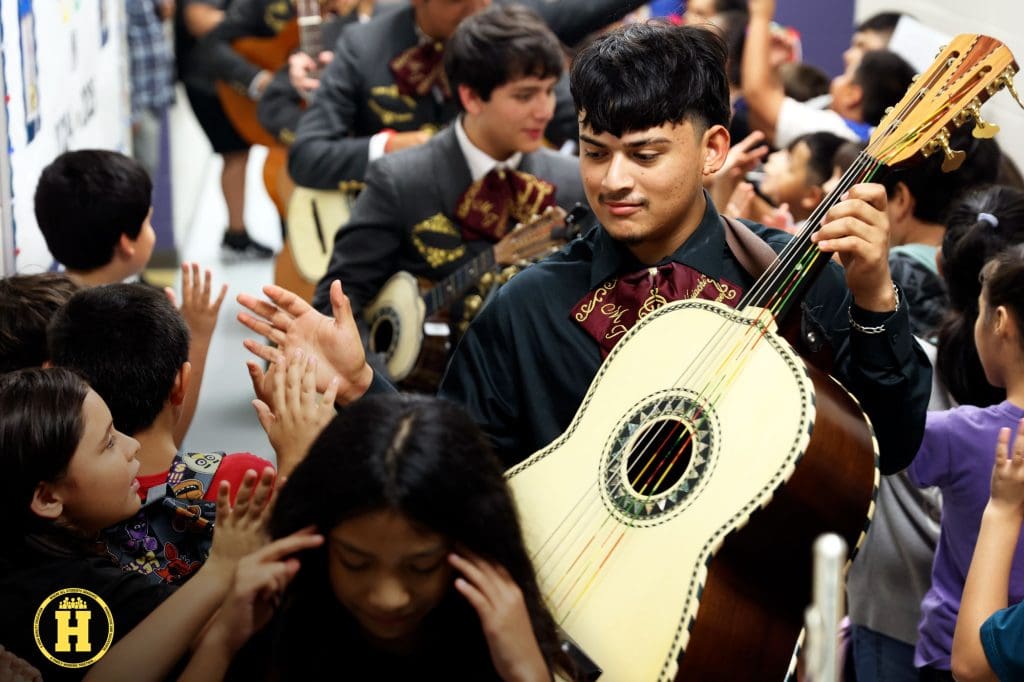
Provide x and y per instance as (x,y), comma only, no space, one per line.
(430,209)
(385,88)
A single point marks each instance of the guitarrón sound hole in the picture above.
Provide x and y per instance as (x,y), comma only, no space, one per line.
(382,336)
(659,456)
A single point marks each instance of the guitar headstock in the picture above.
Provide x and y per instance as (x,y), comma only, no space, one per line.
(307,9)
(539,237)
(949,94)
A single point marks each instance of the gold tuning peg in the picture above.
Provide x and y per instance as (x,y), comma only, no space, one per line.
(508,273)
(487,280)
(983,130)
(954,157)
(1008,81)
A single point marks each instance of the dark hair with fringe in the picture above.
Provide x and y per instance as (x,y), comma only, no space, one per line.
(424,458)
(85,200)
(650,74)
(27,304)
(969,243)
(498,45)
(129,342)
(40,427)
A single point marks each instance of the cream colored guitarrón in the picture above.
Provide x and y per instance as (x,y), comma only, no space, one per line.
(622,571)
(698,424)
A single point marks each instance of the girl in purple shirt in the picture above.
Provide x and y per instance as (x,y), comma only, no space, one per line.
(956,456)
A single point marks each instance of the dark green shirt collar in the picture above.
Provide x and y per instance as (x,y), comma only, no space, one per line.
(702,251)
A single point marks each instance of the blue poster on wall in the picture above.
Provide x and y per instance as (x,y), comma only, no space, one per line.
(29,67)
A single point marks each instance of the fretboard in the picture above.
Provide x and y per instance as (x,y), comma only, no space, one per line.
(448,290)
(787,279)
(310,35)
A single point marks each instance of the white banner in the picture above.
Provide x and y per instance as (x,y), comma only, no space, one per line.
(66,76)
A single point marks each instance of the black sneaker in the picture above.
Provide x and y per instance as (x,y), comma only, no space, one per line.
(239,246)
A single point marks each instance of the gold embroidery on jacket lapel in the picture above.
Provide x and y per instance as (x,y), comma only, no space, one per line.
(434,255)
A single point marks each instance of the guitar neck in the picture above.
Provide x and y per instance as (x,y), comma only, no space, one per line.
(786,280)
(448,290)
(311,39)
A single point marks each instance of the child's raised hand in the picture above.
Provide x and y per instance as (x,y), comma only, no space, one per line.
(294,415)
(260,580)
(263,382)
(199,312)
(240,528)
(1008,472)
(503,616)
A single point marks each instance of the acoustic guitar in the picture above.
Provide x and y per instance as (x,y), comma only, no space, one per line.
(280,185)
(314,218)
(397,315)
(671,525)
(269,54)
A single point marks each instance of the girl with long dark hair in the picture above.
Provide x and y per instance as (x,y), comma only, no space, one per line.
(423,570)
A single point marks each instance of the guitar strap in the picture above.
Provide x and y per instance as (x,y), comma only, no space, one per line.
(751,251)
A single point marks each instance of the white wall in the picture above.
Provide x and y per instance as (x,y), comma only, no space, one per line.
(80,98)
(1001,19)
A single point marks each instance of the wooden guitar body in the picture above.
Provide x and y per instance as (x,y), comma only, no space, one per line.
(408,322)
(267,53)
(697,565)
(415,350)
(395,319)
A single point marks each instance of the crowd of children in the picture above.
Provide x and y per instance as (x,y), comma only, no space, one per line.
(383,534)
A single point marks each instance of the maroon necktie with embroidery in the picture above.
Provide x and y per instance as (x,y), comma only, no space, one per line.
(420,68)
(493,202)
(612,309)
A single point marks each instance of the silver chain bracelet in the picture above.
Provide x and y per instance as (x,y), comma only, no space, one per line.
(879,329)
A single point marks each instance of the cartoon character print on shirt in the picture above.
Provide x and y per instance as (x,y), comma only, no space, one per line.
(137,530)
(145,564)
(177,473)
(172,534)
(178,566)
(202,462)
(188,517)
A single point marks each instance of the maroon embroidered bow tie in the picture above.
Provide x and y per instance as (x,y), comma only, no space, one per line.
(494,202)
(420,68)
(612,309)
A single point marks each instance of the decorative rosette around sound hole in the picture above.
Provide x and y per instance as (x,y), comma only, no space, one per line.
(659,456)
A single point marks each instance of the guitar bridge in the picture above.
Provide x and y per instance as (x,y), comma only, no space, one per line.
(584,667)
